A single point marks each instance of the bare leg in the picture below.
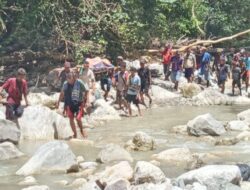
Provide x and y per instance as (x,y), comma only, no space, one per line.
(129,109)
(83,132)
(149,97)
(247,84)
(142,99)
(233,86)
(73,126)
(139,110)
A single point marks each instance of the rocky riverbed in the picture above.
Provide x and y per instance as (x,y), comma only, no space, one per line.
(192,139)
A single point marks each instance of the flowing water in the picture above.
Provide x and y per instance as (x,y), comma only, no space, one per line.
(156,122)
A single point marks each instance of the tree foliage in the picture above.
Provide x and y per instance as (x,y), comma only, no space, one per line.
(113,27)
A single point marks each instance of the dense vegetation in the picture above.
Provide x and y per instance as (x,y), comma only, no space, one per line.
(113,27)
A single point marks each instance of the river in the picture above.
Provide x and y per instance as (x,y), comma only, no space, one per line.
(156,122)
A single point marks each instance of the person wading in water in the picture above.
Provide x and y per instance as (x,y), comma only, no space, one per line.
(16,89)
(76,96)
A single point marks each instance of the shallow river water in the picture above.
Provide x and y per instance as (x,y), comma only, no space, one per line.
(156,122)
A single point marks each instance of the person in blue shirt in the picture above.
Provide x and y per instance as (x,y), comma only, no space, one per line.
(205,62)
(133,93)
(247,63)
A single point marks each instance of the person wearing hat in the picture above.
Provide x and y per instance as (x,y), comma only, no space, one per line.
(145,75)
(205,65)
(17,89)
(133,93)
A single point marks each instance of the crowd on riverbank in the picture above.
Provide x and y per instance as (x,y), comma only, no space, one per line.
(132,84)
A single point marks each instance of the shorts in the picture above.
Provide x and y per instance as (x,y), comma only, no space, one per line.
(237,82)
(121,94)
(144,88)
(13,111)
(106,84)
(132,98)
(204,71)
(189,72)
(221,82)
(78,114)
(175,76)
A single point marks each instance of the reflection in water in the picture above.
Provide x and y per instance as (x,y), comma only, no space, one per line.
(155,122)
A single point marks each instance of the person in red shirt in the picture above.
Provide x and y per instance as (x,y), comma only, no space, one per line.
(16,89)
(166,56)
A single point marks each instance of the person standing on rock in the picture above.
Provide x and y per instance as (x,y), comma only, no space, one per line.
(88,78)
(177,68)
(145,75)
(223,73)
(106,82)
(63,74)
(189,65)
(166,56)
(133,93)
(16,89)
(205,66)
(121,86)
(75,95)
(236,75)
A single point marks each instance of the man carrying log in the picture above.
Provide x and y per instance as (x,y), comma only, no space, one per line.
(75,95)
(205,66)
(16,89)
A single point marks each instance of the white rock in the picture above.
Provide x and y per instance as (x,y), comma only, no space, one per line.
(62,182)
(146,172)
(113,152)
(105,111)
(205,125)
(37,187)
(29,180)
(88,165)
(78,182)
(52,157)
(196,186)
(161,96)
(89,186)
(49,125)
(175,156)
(79,159)
(209,174)
(9,151)
(244,116)
(237,126)
(2,115)
(121,170)
(141,142)
(189,90)
(9,131)
(82,142)
(119,184)
(245,136)
(42,99)
(245,185)
(152,186)
(156,163)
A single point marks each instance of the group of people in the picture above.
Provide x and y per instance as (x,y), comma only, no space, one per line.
(223,65)
(78,85)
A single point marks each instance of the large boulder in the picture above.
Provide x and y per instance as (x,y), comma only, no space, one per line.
(238,125)
(46,124)
(104,111)
(156,69)
(113,152)
(176,156)
(205,125)
(9,131)
(209,175)
(52,157)
(244,116)
(162,96)
(119,184)
(141,142)
(167,85)
(146,172)
(121,170)
(2,115)
(189,90)
(9,151)
(43,99)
